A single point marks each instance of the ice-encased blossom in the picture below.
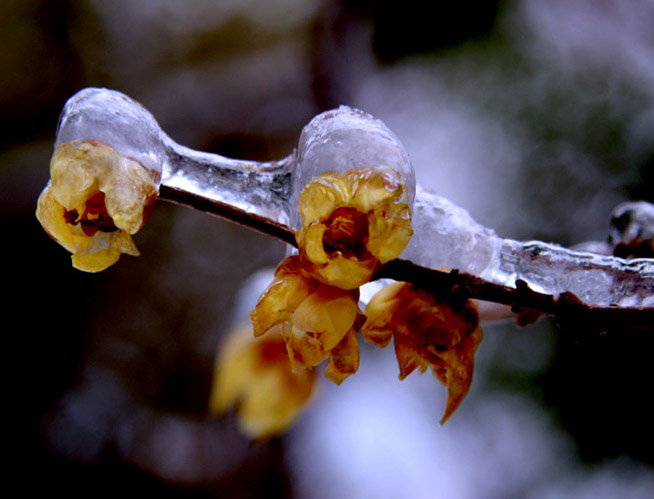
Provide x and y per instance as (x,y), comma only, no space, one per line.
(352,222)
(254,376)
(95,201)
(426,332)
(318,321)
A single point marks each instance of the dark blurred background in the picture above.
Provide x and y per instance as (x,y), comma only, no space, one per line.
(537,117)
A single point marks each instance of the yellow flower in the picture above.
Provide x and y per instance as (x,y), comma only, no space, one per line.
(352,222)
(318,321)
(95,201)
(255,376)
(427,332)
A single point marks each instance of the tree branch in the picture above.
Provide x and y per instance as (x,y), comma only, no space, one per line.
(569,312)
(223,210)
(527,304)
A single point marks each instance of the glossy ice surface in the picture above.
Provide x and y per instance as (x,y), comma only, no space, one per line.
(445,236)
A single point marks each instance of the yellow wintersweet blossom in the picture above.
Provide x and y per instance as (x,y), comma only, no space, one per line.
(427,332)
(254,375)
(94,202)
(352,222)
(318,321)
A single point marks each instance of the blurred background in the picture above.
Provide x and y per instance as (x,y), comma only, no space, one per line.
(537,117)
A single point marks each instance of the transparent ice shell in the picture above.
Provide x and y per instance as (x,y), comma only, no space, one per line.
(98,114)
(111,117)
(347,138)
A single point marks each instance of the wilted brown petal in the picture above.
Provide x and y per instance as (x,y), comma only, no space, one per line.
(344,358)
(427,333)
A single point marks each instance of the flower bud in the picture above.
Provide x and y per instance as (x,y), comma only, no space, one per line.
(95,201)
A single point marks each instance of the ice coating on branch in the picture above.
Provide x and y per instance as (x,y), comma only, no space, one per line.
(446,237)
(343,139)
(595,279)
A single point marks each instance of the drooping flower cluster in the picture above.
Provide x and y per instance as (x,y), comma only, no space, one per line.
(95,201)
(318,321)
(352,222)
(427,332)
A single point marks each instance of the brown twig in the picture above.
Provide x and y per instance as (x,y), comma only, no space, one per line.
(223,210)
(569,312)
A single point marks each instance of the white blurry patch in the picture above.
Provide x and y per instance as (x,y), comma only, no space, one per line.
(369,438)
(501,127)
(375,436)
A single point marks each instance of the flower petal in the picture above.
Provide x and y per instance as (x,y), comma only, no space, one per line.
(379,312)
(427,332)
(374,188)
(95,200)
(389,231)
(408,359)
(340,271)
(321,196)
(254,375)
(458,376)
(313,248)
(329,312)
(289,288)
(344,359)
(305,349)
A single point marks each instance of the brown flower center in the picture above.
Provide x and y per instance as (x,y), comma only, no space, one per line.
(347,232)
(95,217)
